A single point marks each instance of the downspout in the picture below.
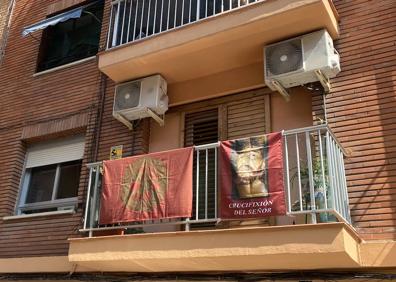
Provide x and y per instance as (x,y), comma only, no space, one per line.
(98,127)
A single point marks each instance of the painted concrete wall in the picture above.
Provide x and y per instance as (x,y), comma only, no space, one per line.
(284,115)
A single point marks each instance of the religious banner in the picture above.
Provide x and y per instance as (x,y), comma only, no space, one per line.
(251,177)
(152,186)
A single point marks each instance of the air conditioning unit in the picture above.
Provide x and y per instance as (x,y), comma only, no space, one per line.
(141,98)
(301,60)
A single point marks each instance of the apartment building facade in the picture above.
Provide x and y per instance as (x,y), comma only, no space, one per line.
(63,61)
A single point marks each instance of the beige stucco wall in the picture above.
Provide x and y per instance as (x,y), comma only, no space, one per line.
(284,115)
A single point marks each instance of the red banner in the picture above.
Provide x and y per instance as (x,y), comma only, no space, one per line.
(152,186)
(251,177)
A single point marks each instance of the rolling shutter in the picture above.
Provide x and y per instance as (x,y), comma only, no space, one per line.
(53,152)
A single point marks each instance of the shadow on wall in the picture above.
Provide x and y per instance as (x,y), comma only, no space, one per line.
(368,111)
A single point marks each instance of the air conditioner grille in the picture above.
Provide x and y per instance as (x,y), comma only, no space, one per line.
(284,57)
(127,96)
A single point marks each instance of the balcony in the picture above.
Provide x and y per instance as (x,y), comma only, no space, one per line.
(188,39)
(317,224)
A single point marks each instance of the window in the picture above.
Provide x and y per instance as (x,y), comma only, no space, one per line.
(52,176)
(71,40)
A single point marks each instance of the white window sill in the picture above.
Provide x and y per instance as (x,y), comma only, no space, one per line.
(64,66)
(39,214)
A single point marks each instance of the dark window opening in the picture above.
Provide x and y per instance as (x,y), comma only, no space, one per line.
(47,184)
(72,40)
(203,128)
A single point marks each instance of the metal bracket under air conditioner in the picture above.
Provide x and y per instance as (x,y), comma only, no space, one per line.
(281,89)
(323,80)
(156,117)
(127,123)
(123,120)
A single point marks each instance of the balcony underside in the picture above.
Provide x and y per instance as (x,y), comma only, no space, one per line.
(232,40)
(322,246)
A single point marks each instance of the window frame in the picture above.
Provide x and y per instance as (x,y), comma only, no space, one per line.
(42,64)
(53,203)
(59,204)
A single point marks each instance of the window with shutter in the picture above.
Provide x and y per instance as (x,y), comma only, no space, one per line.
(52,175)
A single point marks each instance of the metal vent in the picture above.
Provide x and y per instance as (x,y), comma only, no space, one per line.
(284,57)
(127,96)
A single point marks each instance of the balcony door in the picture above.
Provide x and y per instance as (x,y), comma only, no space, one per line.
(231,117)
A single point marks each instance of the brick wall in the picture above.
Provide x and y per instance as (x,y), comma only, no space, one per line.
(362,111)
(45,106)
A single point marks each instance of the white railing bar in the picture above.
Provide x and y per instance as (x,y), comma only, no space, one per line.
(168,19)
(116,2)
(155,16)
(135,23)
(182,13)
(207,146)
(345,190)
(287,173)
(315,128)
(130,19)
(341,181)
(141,21)
(88,198)
(93,202)
(338,178)
(299,173)
(311,212)
(115,31)
(123,22)
(110,26)
(189,11)
(305,129)
(161,16)
(148,18)
(330,170)
(174,25)
(181,222)
(334,171)
(215,184)
(310,175)
(206,8)
(198,10)
(206,183)
(322,167)
(197,189)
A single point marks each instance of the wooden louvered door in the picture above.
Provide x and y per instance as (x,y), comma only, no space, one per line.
(231,117)
(247,116)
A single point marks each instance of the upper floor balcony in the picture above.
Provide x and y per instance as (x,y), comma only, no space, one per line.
(188,39)
(316,224)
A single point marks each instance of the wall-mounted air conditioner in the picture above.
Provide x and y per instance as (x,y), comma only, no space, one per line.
(301,60)
(141,98)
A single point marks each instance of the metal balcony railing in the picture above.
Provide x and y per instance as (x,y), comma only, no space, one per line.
(133,20)
(314,174)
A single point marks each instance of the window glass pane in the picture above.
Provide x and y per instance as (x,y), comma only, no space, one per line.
(41,184)
(69,180)
(72,40)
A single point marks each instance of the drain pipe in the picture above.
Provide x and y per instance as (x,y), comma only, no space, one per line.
(99,116)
